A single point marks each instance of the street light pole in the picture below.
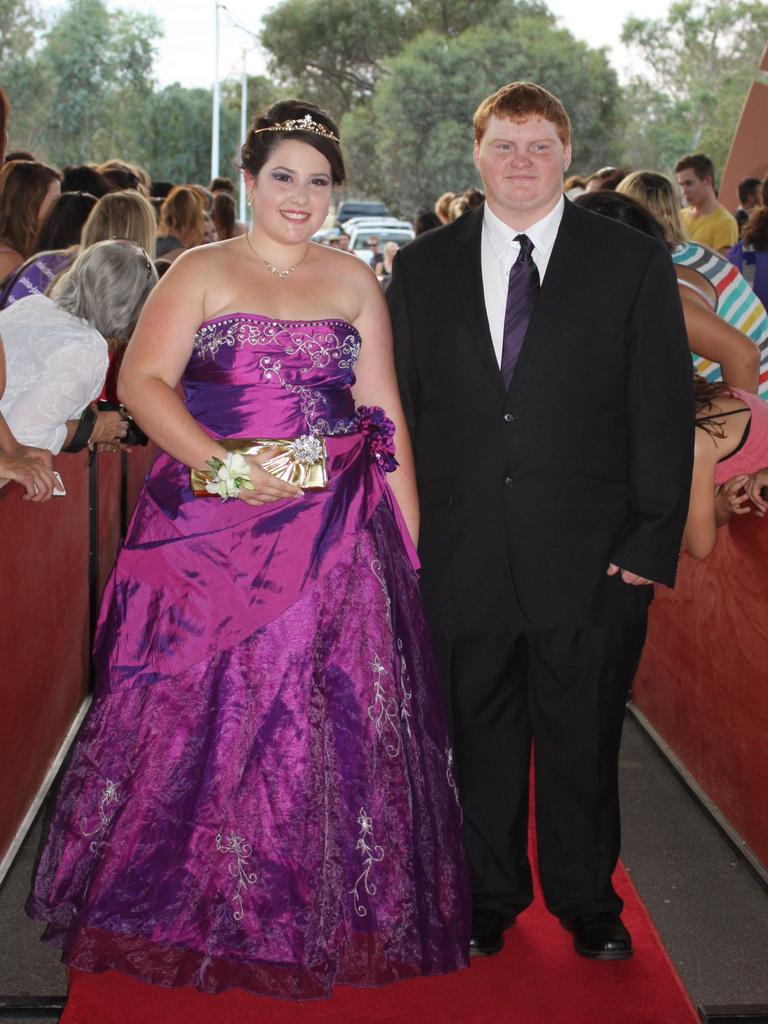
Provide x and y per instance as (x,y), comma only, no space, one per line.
(243,130)
(215,126)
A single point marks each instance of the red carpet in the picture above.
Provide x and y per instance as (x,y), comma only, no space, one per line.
(538,979)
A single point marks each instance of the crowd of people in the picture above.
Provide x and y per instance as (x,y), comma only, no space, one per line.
(595,332)
(49,218)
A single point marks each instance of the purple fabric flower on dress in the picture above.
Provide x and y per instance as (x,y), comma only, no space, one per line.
(379,432)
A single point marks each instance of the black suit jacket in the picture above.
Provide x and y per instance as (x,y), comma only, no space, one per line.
(586,460)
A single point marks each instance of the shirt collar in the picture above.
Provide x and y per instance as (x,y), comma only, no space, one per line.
(542,233)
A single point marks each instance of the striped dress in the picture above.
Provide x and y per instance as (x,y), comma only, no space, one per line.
(737,304)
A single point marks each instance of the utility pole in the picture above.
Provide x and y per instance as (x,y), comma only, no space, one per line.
(243,129)
(215,120)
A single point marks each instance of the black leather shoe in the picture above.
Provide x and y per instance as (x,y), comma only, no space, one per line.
(600,936)
(488,927)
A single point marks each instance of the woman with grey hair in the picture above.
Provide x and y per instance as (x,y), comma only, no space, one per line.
(56,352)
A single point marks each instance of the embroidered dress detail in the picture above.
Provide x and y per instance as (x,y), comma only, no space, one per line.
(406,692)
(371,854)
(450,779)
(384,712)
(241,851)
(109,797)
(377,571)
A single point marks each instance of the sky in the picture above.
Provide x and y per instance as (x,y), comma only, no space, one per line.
(187,52)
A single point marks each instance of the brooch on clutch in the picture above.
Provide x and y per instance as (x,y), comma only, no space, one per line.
(301,461)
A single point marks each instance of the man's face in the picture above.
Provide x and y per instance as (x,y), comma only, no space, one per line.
(343,241)
(693,189)
(522,164)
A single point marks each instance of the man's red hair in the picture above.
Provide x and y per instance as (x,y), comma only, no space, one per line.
(520,100)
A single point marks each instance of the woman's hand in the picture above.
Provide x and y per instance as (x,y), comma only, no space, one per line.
(108,430)
(31,472)
(753,487)
(731,499)
(266,488)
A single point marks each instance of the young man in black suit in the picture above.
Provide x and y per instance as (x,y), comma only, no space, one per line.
(546,379)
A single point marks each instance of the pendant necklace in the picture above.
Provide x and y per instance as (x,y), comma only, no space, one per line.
(281,275)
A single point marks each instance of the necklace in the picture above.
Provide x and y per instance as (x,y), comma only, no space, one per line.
(281,275)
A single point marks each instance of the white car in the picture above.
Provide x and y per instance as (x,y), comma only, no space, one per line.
(386,229)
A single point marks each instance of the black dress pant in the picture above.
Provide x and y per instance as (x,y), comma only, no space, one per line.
(563,691)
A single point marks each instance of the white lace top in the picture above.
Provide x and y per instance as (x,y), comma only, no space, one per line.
(55,366)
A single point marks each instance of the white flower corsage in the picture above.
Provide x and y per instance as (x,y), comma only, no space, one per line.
(230,475)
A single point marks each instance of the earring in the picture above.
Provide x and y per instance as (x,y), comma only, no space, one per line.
(250,199)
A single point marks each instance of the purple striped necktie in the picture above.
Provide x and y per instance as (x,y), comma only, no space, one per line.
(521,297)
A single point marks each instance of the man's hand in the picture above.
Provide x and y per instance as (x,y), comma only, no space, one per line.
(629,577)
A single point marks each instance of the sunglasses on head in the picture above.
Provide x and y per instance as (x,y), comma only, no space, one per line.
(147,261)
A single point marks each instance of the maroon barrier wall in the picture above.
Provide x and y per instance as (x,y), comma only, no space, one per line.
(703,681)
(54,559)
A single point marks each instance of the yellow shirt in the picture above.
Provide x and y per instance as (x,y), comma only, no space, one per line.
(718,229)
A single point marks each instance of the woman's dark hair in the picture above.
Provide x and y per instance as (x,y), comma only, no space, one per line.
(426,220)
(223,215)
(222,185)
(474,197)
(64,222)
(764,193)
(706,392)
(609,177)
(120,176)
(82,178)
(19,154)
(259,144)
(23,186)
(623,209)
(756,231)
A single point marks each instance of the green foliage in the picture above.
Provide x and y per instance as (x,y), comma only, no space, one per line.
(21,73)
(701,60)
(424,107)
(331,51)
(452,17)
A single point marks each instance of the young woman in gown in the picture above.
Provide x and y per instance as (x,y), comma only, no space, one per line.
(262,794)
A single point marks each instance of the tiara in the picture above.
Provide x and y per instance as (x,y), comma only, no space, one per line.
(301,124)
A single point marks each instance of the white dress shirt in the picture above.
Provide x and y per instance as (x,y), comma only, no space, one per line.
(498,253)
(55,366)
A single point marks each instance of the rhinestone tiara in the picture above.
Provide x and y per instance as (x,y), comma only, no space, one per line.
(300,124)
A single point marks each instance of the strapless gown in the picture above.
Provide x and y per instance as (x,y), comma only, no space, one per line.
(262,792)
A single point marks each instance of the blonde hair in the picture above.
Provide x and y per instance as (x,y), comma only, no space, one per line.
(121,215)
(658,195)
(442,206)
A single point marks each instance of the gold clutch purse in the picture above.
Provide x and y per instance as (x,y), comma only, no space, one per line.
(301,461)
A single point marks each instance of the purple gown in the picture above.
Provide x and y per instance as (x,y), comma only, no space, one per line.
(262,793)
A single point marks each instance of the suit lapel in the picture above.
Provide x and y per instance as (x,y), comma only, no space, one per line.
(548,314)
(467,266)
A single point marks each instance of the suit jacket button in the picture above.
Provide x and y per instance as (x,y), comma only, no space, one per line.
(509,418)
(509,481)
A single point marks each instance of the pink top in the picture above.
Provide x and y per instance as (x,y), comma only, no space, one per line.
(754,454)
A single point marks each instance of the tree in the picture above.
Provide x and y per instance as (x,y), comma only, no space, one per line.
(423,108)
(452,17)
(701,60)
(23,79)
(332,51)
(100,65)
